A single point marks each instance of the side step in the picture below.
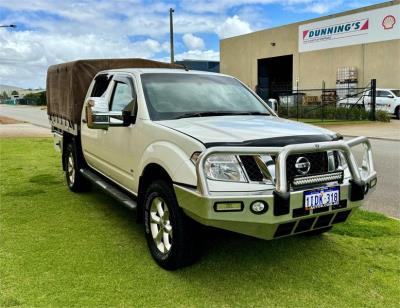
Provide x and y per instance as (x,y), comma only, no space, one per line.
(110,188)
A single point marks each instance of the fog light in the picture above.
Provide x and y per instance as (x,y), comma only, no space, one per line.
(259,207)
(228,206)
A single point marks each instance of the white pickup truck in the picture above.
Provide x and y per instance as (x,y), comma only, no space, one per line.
(386,100)
(184,148)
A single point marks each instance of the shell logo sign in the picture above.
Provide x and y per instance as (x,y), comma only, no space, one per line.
(360,28)
(388,22)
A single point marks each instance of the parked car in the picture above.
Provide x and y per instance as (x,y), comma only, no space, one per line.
(386,99)
(184,148)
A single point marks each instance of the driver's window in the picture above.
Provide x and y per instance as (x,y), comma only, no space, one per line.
(123,98)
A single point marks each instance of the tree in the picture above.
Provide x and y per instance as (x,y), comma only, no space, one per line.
(38,98)
(4,95)
(14,92)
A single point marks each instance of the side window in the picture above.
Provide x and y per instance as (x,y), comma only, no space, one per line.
(383,93)
(101,85)
(123,98)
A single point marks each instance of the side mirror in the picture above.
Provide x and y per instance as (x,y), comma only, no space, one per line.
(390,96)
(98,116)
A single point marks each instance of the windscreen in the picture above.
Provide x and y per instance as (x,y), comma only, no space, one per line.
(396,92)
(172,96)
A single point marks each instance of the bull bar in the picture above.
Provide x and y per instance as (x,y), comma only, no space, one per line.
(281,185)
(284,213)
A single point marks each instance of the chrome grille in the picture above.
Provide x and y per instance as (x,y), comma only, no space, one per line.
(318,161)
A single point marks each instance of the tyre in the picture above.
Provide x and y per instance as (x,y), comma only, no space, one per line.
(170,234)
(318,231)
(75,180)
(397,113)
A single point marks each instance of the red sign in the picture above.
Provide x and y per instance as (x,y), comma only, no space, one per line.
(388,22)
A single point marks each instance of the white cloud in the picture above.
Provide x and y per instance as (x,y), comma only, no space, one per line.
(25,55)
(193,42)
(198,55)
(232,26)
(322,7)
(67,30)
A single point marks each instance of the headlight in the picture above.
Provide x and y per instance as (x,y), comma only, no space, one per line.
(336,161)
(224,167)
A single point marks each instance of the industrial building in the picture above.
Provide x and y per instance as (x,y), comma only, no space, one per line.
(200,65)
(353,46)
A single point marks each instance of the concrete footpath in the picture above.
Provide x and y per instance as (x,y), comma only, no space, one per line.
(375,130)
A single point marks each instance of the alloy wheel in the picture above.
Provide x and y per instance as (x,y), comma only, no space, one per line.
(160,225)
(71,168)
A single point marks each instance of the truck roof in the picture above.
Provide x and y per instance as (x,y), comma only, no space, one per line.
(159,71)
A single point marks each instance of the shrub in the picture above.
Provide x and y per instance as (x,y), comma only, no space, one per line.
(382,116)
(328,112)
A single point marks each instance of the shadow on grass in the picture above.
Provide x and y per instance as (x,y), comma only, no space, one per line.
(217,245)
(229,258)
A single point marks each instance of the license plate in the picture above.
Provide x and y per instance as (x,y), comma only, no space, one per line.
(322,197)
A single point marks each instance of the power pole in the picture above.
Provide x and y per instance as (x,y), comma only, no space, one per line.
(171,33)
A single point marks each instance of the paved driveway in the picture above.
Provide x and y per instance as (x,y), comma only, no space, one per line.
(385,198)
(31,114)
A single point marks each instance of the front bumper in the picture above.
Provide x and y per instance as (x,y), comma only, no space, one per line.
(285,215)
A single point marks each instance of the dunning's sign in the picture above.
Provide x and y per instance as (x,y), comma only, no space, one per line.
(329,32)
(365,27)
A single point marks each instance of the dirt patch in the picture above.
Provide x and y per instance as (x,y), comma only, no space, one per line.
(7,120)
(23,130)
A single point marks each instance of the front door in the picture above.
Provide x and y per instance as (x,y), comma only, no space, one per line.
(118,143)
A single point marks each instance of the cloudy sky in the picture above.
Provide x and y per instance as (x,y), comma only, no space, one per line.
(55,31)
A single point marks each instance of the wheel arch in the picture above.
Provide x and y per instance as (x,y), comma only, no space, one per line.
(151,172)
(76,141)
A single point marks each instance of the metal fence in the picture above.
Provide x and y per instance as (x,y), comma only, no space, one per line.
(342,103)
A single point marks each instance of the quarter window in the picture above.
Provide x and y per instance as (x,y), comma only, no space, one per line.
(101,85)
(123,99)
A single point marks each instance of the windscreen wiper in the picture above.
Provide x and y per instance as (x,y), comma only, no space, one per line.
(218,113)
(250,113)
(203,114)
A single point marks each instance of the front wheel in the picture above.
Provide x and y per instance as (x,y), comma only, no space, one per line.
(397,113)
(170,234)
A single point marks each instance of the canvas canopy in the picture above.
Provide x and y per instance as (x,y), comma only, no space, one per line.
(67,83)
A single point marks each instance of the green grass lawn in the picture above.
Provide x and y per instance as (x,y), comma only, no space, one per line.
(58,248)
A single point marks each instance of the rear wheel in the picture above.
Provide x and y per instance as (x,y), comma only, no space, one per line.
(170,234)
(75,180)
(397,113)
